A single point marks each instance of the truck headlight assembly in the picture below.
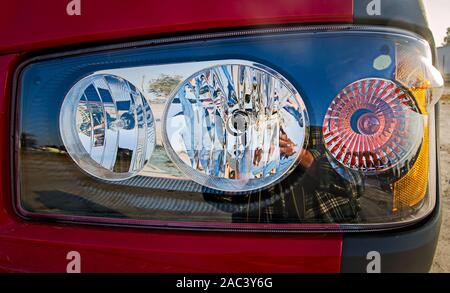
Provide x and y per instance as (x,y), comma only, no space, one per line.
(265,130)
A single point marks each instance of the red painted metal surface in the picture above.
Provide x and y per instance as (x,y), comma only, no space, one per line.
(27,25)
(6,68)
(42,247)
(35,24)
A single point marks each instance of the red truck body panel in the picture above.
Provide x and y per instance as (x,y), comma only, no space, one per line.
(31,25)
(34,24)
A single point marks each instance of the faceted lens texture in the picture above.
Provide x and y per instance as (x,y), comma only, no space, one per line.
(373,125)
(107,127)
(235,127)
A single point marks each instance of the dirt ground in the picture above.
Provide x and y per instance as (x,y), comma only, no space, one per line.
(441,261)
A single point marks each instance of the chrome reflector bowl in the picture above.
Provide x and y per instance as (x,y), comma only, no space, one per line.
(107,127)
(235,127)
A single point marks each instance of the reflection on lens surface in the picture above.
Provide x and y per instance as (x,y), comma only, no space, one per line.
(235,127)
(107,127)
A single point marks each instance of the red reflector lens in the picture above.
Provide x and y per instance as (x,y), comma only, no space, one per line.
(372,125)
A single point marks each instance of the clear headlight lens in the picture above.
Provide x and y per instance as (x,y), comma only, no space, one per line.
(107,127)
(235,127)
(224,132)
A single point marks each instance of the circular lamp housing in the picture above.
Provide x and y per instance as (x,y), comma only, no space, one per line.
(235,127)
(373,125)
(107,127)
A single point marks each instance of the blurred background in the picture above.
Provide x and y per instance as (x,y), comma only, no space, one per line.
(439,21)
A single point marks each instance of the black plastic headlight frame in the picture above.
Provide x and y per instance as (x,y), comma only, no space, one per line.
(285,129)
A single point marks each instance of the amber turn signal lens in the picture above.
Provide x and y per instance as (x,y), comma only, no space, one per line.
(411,188)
